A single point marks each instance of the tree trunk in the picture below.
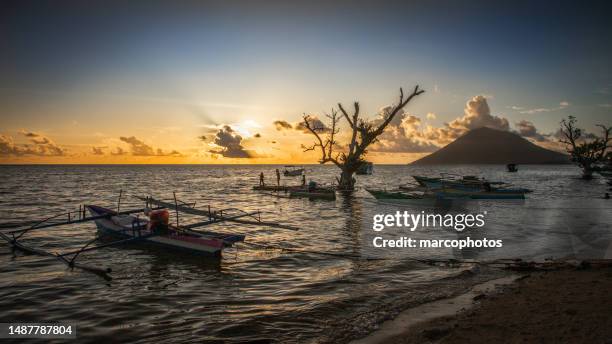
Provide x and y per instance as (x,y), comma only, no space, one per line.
(346,179)
(587,172)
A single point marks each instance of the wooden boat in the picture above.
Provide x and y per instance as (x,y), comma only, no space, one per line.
(512,168)
(293,173)
(467,184)
(129,226)
(284,188)
(452,193)
(318,193)
(366,168)
(133,229)
(402,197)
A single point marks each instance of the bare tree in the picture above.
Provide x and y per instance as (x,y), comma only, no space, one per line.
(363,134)
(583,152)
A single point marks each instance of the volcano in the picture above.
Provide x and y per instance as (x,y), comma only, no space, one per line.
(491,146)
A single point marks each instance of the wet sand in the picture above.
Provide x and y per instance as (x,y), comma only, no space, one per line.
(564,306)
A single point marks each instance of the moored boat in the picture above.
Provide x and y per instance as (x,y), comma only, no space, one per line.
(452,193)
(400,197)
(318,193)
(127,226)
(284,188)
(293,172)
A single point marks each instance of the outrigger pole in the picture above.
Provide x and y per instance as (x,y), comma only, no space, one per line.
(18,233)
(216,216)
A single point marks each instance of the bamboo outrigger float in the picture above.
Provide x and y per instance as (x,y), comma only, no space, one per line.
(128,227)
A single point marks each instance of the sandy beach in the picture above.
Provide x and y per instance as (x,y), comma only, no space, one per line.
(563,306)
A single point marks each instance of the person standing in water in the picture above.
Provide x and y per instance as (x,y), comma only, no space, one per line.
(303,180)
(261,179)
(277,177)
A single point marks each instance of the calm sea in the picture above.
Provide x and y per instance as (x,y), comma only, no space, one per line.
(267,295)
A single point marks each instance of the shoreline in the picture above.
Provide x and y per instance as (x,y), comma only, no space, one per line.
(565,305)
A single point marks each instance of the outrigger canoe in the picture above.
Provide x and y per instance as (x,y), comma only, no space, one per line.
(127,226)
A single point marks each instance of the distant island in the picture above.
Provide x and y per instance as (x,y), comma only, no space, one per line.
(491,146)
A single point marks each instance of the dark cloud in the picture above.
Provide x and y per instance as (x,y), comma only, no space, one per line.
(315,123)
(231,144)
(118,151)
(258,135)
(282,125)
(98,150)
(527,129)
(139,148)
(202,137)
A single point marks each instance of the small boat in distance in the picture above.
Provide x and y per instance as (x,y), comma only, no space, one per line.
(512,168)
(366,168)
(293,171)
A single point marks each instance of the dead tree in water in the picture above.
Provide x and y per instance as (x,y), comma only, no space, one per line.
(584,153)
(363,134)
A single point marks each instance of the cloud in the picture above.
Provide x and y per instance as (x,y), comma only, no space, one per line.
(282,125)
(98,150)
(39,145)
(231,144)
(202,137)
(384,113)
(258,135)
(562,105)
(431,115)
(7,146)
(139,148)
(118,151)
(402,135)
(315,123)
(527,129)
(477,114)
(607,105)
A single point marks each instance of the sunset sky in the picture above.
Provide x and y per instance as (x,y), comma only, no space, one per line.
(227,81)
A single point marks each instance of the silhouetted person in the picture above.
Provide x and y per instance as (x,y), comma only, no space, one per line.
(277,177)
(261,179)
(607,196)
(303,180)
